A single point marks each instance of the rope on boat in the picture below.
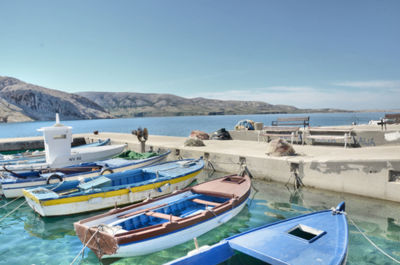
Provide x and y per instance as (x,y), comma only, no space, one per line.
(58,185)
(8,214)
(372,243)
(87,243)
(10,202)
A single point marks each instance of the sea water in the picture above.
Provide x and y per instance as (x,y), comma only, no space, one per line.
(27,238)
(183,125)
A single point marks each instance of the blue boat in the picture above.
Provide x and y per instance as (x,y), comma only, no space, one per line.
(315,238)
(13,185)
(130,186)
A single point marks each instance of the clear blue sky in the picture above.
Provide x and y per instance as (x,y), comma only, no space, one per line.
(339,54)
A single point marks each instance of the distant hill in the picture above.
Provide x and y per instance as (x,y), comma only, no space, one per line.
(20,101)
(124,104)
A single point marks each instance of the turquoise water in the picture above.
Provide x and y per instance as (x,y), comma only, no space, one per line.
(181,126)
(26,238)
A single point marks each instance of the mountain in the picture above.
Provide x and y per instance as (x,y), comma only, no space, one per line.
(124,104)
(20,101)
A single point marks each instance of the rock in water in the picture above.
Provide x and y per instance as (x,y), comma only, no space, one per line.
(279,147)
(199,135)
(194,142)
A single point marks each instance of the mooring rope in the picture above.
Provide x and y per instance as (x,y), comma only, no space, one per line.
(8,214)
(58,185)
(87,243)
(10,202)
(372,243)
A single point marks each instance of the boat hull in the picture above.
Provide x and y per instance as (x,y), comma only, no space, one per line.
(39,156)
(77,156)
(311,239)
(14,189)
(105,200)
(167,221)
(159,243)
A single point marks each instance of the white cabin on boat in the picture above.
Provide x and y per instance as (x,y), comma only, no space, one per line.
(57,143)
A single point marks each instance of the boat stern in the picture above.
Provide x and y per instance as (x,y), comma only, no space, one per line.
(99,239)
(34,198)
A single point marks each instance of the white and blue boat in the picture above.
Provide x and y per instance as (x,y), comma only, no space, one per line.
(57,145)
(40,156)
(71,197)
(162,223)
(13,185)
(315,238)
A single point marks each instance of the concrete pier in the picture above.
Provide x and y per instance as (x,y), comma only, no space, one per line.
(367,171)
(372,171)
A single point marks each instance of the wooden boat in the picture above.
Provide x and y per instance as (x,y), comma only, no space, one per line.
(40,156)
(71,197)
(315,238)
(13,185)
(165,222)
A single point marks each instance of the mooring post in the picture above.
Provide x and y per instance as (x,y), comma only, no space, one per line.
(142,136)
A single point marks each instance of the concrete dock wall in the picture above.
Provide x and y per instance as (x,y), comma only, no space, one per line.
(366,171)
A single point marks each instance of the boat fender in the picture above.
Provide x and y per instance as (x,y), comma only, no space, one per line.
(54,177)
(106,171)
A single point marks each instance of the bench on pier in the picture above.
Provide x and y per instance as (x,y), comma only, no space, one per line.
(391,118)
(283,128)
(269,132)
(330,135)
(290,121)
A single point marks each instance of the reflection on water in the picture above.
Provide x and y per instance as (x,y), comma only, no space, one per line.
(27,238)
(50,228)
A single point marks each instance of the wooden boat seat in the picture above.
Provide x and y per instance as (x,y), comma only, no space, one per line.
(163,216)
(141,211)
(200,201)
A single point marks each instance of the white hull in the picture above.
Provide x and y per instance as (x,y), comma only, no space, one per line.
(98,203)
(13,190)
(80,155)
(175,238)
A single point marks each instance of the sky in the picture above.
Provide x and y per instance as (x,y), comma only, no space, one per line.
(309,54)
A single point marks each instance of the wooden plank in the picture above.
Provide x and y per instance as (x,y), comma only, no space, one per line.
(163,216)
(276,134)
(304,119)
(280,129)
(206,202)
(141,211)
(328,137)
(328,130)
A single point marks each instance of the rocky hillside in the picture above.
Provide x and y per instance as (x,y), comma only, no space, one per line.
(121,104)
(20,101)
